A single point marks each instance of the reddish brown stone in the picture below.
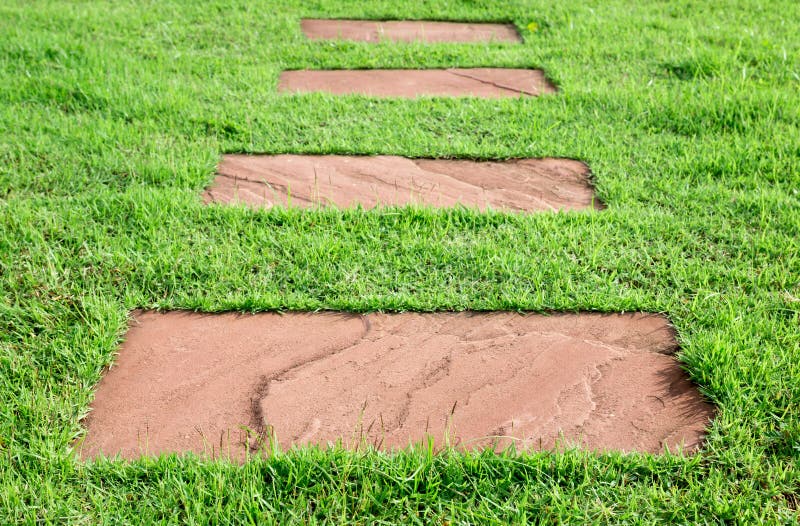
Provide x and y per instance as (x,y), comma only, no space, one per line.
(477,82)
(408,31)
(343,181)
(205,382)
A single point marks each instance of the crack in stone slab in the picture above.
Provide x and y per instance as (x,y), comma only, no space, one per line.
(258,421)
(457,73)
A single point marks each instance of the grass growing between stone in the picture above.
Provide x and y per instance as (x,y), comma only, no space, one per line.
(113,117)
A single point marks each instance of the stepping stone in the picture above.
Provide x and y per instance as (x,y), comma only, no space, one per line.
(408,31)
(221,384)
(343,181)
(489,83)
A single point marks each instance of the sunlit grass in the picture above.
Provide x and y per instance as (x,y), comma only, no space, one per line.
(113,116)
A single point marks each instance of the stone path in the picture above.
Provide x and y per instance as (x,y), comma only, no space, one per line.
(223,384)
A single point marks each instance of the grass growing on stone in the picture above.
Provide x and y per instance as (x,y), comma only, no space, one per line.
(112,118)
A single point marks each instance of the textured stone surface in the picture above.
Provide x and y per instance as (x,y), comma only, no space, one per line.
(410,83)
(342,181)
(408,31)
(195,382)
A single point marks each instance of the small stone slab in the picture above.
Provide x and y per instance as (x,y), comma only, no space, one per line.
(489,83)
(408,31)
(345,181)
(223,384)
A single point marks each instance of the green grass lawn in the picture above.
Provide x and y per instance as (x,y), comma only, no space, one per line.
(113,115)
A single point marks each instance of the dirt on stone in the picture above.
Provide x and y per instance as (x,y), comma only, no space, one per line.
(223,384)
(411,83)
(408,31)
(345,181)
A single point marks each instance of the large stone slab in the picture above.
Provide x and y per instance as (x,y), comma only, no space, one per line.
(408,31)
(410,83)
(344,181)
(222,384)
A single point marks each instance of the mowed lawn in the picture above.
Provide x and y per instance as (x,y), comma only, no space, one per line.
(113,115)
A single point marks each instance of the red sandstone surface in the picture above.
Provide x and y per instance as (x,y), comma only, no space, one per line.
(343,181)
(411,83)
(220,384)
(408,31)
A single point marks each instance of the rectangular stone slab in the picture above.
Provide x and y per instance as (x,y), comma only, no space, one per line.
(223,384)
(490,83)
(345,181)
(408,31)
